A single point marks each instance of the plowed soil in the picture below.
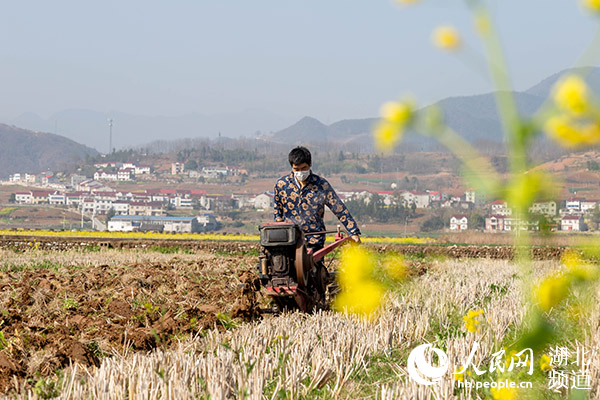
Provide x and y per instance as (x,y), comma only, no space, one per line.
(73,306)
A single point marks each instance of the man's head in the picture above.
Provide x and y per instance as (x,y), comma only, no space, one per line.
(300,159)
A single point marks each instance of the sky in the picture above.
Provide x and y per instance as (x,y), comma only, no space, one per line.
(331,59)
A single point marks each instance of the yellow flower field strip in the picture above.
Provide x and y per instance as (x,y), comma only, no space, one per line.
(189,236)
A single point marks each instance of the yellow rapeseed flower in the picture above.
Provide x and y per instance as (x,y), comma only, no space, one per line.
(460,376)
(387,135)
(578,268)
(356,266)
(362,300)
(397,112)
(552,291)
(505,393)
(592,5)
(571,133)
(546,363)
(360,295)
(571,94)
(446,37)
(473,320)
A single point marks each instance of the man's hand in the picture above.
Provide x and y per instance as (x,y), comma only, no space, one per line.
(356,238)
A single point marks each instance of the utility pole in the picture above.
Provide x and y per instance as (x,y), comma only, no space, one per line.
(110,125)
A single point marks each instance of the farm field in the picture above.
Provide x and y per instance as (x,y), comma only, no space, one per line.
(169,322)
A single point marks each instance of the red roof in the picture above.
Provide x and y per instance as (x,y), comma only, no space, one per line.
(40,193)
(460,216)
(571,217)
(498,202)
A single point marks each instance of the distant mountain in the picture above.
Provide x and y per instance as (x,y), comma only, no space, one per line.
(91,127)
(474,117)
(28,151)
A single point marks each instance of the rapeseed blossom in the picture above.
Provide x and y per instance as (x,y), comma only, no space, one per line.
(472,320)
(592,5)
(577,268)
(546,363)
(446,37)
(395,117)
(505,393)
(572,133)
(571,94)
(387,135)
(552,290)
(361,294)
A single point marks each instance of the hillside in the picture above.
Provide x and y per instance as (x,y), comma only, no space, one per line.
(475,117)
(27,151)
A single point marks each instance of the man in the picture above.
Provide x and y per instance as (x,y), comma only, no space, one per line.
(301,197)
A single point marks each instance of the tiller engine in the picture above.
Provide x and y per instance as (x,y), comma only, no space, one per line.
(294,276)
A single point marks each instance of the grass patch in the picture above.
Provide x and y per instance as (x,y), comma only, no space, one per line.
(249,253)
(170,249)
(5,212)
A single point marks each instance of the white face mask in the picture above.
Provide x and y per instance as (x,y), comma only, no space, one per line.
(302,175)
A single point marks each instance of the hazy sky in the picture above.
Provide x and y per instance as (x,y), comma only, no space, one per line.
(331,59)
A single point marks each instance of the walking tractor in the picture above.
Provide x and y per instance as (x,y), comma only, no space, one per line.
(294,277)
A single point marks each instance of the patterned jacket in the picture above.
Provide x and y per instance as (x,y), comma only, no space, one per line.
(306,207)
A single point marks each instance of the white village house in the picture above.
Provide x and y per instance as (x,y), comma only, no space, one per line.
(459,222)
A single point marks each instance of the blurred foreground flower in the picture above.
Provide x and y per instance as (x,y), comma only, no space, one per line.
(472,320)
(546,363)
(578,268)
(552,291)
(360,295)
(571,133)
(592,5)
(503,393)
(571,94)
(395,117)
(446,38)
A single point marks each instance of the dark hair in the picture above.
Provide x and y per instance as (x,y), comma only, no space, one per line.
(300,155)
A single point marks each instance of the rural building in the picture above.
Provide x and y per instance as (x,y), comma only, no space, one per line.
(106,176)
(142,170)
(160,224)
(547,208)
(495,223)
(177,168)
(574,205)
(124,174)
(23,198)
(152,208)
(572,223)
(57,199)
(588,206)
(207,222)
(500,207)
(477,198)
(459,222)
(263,201)
(39,196)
